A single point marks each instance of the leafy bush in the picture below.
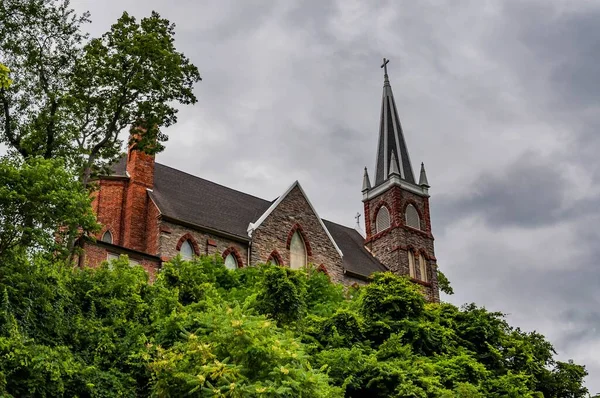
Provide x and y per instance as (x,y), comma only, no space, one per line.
(201,330)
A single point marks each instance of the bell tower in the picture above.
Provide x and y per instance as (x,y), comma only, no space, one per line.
(396,206)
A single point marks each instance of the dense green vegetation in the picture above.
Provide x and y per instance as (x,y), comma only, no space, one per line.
(202,330)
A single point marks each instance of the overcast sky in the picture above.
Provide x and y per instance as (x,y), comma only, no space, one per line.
(500,99)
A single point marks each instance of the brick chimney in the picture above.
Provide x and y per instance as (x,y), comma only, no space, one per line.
(140,167)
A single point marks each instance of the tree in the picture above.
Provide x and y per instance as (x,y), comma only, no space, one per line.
(129,77)
(201,330)
(40,40)
(72,97)
(41,206)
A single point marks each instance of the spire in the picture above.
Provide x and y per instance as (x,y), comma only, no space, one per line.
(423,177)
(392,151)
(366,181)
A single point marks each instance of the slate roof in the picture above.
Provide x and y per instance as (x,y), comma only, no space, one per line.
(356,258)
(194,200)
(197,201)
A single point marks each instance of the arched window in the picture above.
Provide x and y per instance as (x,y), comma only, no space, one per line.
(297,252)
(187,250)
(107,237)
(412,217)
(423,267)
(231,262)
(382,222)
(411,264)
(273,260)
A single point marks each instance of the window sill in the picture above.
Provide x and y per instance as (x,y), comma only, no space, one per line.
(420,282)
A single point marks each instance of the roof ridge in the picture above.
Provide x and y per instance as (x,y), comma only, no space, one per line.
(212,182)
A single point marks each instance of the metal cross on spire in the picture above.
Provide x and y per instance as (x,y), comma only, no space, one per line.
(357,216)
(384,65)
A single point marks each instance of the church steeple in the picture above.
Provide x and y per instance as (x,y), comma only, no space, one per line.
(392,153)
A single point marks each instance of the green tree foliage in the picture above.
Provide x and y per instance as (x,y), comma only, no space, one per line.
(201,330)
(5,80)
(41,206)
(71,97)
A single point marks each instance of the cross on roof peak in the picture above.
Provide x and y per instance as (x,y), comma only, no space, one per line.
(384,65)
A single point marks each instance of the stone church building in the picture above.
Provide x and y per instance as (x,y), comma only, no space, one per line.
(152,213)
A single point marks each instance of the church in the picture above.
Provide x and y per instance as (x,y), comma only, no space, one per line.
(152,213)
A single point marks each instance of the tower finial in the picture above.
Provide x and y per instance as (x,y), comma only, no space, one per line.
(384,66)
(394,166)
(423,177)
(366,182)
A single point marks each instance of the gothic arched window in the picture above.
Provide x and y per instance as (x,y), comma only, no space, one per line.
(412,217)
(411,264)
(231,262)
(273,260)
(187,250)
(297,252)
(107,237)
(382,221)
(423,267)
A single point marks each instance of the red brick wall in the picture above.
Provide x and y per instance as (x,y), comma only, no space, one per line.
(95,254)
(274,232)
(108,203)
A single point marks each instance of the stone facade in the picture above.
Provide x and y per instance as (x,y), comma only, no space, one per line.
(294,213)
(172,236)
(391,246)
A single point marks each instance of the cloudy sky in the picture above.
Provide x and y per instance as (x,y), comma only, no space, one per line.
(500,99)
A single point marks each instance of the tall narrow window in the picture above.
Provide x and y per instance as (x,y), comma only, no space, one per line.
(231,262)
(382,222)
(411,264)
(107,237)
(186,250)
(412,217)
(423,267)
(297,252)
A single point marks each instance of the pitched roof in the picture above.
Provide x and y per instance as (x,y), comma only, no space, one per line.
(197,201)
(356,258)
(193,200)
(392,152)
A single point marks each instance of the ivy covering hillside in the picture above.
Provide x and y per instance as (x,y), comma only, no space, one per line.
(201,330)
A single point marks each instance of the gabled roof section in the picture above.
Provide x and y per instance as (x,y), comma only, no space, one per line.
(255,225)
(356,258)
(392,146)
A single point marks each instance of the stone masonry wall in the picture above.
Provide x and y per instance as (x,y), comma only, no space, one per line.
(205,243)
(392,245)
(274,233)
